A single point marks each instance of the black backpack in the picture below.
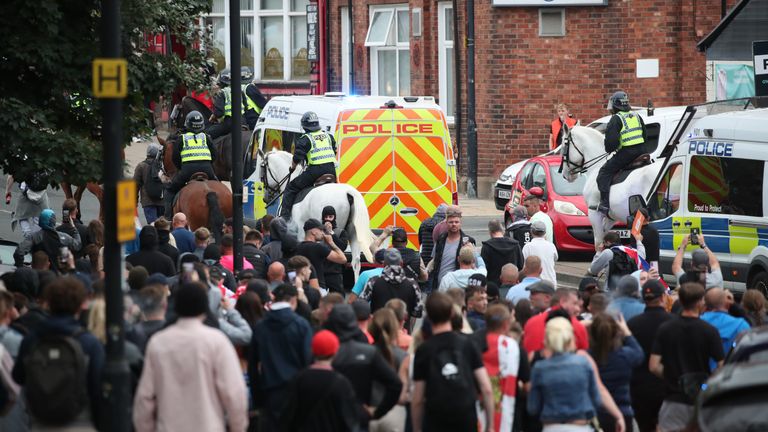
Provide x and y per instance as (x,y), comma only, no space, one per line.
(621,265)
(55,383)
(153,185)
(451,384)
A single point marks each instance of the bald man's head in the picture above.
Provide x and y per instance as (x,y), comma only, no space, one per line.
(276,272)
(715,299)
(179,220)
(509,274)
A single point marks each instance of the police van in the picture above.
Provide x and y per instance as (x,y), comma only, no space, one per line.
(715,182)
(396,151)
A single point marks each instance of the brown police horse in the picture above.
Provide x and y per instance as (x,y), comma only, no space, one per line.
(206,203)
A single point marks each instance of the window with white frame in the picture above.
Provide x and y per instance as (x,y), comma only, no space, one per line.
(273,38)
(389,41)
(445,58)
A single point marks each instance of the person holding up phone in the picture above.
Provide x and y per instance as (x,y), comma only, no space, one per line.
(48,240)
(703,261)
(70,223)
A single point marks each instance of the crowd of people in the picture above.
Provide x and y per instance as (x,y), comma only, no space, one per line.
(455,336)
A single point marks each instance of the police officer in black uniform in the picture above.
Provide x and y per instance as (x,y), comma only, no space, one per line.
(318,149)
(221,118)
(193,152)
(253,99)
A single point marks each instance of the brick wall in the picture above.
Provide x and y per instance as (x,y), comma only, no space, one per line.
(521,76)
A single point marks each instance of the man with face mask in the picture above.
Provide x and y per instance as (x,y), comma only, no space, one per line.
(334,279)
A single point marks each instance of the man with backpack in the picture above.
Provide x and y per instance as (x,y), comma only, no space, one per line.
(149,186)
(617,259)
(48,240)
(60,351)
(448,372)
(393,283)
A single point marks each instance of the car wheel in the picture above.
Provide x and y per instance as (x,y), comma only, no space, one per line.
(760,282)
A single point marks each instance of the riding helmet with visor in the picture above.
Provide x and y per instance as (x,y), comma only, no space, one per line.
(619,101)
(246,75)
(194,122)
(225,78)
(310,122)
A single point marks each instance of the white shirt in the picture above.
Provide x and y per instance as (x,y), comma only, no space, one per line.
(547,253)
(541,216)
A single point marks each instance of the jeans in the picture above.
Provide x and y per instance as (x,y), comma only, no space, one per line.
(151,213)
(621,159)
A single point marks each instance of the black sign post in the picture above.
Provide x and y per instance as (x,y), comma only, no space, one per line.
(760,58)
(312,32)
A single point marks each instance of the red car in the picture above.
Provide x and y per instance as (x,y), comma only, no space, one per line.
(562,201)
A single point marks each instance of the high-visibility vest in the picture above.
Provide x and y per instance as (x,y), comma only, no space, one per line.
(631,130)
(322,150)
(556,127)
(228,102)
(248,102)
(194,148)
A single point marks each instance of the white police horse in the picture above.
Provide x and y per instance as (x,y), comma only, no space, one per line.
(584,152)
(351,210)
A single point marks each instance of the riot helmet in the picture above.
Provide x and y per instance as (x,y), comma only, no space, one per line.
(225,78)
(310,122)
(194,122)
(619,101)
(246,75)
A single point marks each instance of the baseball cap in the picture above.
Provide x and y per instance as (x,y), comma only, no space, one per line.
(399,235)
(156,278)
(362,309)
(312,223)
(392,257)
(519,213)
(324,344)
(542,286)
(379,256)
(477,279)
(538,226)
(652,289)
(699,260)
(587,283)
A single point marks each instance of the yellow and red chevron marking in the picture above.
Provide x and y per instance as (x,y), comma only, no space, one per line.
(707,182)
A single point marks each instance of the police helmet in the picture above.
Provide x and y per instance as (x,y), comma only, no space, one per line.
(194,122)
(225,78)
(246,75)
(619,101)
(310,122)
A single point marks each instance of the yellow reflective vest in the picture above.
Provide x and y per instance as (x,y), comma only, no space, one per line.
(322,149)
(194,148)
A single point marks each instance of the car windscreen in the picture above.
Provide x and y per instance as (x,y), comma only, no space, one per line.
(563,187)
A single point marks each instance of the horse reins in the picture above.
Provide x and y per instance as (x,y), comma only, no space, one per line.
(272,190)
(585,165)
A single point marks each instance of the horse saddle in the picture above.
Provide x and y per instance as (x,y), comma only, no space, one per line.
(322,180)
(198,176)
(639,162)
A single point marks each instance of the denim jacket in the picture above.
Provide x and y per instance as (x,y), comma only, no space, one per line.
(563,389)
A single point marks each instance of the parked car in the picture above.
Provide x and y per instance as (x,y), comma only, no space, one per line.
(7,248)
(562,201)
(502,189)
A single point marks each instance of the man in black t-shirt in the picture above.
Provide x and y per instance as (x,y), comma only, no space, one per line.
(680,356)
(411,259)
(319,253)
(447,372)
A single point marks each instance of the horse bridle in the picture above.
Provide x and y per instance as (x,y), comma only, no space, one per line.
(585,164)
(272,193)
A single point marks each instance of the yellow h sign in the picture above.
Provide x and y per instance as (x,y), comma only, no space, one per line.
(110,78)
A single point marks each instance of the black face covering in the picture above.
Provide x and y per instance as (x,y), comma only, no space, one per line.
(330,211)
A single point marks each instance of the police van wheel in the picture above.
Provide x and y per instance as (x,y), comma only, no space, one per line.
(760,282)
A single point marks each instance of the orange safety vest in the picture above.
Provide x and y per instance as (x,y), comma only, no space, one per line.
(556,126)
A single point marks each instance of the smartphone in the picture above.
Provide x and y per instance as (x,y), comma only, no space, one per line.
(65,216)
(695,236)
(188,268)
(64,255)
(291,276)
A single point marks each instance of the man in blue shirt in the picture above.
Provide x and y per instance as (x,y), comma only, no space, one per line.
(532,272)
(362,280)
(717,316)
(185,239)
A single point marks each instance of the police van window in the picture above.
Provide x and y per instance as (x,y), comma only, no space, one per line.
(276,139)
(720,185)
(666,199)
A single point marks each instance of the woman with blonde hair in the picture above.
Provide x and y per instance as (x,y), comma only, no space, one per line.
(564,392)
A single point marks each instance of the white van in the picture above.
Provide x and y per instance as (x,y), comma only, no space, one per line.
(715,181)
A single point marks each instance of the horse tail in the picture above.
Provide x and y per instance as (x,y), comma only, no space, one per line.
(215,215)
(361,236)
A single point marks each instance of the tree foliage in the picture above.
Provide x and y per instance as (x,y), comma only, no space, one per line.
(49,120)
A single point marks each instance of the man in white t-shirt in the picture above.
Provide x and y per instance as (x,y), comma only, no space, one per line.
(546,251)
(702,260)
(532,203)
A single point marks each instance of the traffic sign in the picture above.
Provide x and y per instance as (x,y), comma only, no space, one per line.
(126,210)
(760,54)
(110,78)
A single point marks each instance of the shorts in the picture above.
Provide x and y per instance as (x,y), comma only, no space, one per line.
(674,416)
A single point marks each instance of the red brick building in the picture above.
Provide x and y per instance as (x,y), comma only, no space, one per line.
(520,72)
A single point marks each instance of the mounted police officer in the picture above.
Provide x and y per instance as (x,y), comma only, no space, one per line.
(253,99)
(318,149)
(221,119)
(625,132)
(193,152)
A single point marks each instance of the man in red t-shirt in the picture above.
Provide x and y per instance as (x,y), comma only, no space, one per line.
(566,299)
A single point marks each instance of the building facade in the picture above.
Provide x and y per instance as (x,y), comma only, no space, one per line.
(530,55)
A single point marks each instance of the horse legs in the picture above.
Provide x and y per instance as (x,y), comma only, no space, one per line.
(67,188)
(98,192)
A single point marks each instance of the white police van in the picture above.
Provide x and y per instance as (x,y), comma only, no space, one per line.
(715,181)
